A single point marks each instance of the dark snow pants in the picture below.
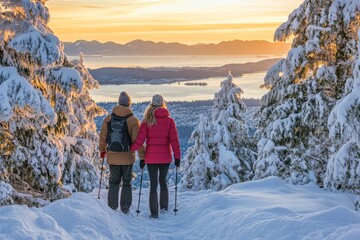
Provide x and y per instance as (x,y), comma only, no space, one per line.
(118,173)
(158,173)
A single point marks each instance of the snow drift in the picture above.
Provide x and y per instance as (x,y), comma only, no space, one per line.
(264,209)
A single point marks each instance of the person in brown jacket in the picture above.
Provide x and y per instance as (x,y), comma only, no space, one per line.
(120,163)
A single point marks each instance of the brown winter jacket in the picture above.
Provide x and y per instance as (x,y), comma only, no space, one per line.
(121,158)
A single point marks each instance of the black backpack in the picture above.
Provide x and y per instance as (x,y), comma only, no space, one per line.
(118,139)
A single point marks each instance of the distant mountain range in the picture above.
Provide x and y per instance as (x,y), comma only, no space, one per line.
(140,47)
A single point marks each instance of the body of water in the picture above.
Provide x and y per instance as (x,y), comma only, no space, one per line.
(249,83)
(94,62)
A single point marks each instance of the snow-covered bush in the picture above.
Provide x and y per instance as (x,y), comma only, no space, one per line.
(222,153)
(5,193)
(44,102)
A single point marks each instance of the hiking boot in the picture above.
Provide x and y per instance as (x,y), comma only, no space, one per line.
(113,207)
(125,210)
(155,215)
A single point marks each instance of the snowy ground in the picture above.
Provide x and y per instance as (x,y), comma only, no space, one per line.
(265,209)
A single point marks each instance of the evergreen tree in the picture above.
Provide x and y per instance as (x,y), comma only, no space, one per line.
(304,87)
(343,170)
(197,165)
(48,137)
(222,153)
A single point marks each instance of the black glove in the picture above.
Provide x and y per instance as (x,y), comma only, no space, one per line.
(177,162)
(142,164)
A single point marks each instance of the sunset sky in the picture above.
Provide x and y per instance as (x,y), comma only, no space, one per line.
(186,21)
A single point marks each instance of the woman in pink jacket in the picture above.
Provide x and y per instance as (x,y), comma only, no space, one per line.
(159,131)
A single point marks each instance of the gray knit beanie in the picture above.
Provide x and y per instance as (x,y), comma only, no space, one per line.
(157,100)
(124,99)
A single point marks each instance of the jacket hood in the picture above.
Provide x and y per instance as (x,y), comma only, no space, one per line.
(161,113)
(121,111)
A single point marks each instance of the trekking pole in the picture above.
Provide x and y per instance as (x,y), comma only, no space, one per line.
(175,209)
(101,175)
(141,178)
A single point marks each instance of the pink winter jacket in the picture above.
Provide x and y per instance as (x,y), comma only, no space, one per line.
(160,139)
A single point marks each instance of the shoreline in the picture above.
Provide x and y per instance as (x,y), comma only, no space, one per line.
(255,102)
(168,75)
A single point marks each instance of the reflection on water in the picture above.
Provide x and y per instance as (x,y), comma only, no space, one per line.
(249,83)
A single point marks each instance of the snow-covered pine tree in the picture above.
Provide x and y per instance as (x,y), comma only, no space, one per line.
(293,131)
(197,165)
(47,134)
(81,139)
(222,153)
(343,169)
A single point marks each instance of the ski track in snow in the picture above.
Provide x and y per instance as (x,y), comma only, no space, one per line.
(264,209)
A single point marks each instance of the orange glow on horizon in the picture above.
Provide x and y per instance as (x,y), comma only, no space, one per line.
(186,21)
